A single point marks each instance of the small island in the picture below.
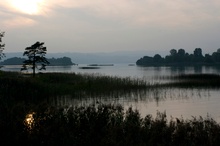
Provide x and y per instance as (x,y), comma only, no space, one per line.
(64,61)
(181,58)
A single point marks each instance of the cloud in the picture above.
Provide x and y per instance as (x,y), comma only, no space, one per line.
(141,13)
(117,23)
(162,13)
(13,17)
(17,22)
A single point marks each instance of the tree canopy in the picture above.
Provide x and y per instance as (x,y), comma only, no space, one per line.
(36,55)
(181,57)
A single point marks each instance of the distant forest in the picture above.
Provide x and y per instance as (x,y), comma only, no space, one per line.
(181,57)
(53,61)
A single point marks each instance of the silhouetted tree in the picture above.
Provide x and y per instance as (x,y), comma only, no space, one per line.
(216,55)
(145,60)
(198,57)
(36,55)
(172,57)
(60,61)
(208,58)
(2,46)
(173,52)
(157,58)
(198,52)
(181,55)
(181,52)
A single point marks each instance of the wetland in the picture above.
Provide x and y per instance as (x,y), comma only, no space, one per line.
(89,107)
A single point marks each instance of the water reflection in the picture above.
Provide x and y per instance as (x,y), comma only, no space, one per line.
(198,69)
(59,68)
(123,70)
(175,101)
(149,95)
(29,121)
(177,70)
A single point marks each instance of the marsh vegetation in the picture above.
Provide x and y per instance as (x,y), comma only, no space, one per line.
(28,117)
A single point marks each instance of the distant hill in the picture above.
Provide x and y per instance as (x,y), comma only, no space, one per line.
(99,58)
(53,61)
(13,61)
(90,58)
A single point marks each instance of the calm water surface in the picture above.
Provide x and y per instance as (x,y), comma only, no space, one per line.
(175,102)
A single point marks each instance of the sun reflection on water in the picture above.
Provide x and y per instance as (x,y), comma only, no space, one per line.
(29,121)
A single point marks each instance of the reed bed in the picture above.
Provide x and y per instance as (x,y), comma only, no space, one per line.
(27,118)
(16,86)
(102,125)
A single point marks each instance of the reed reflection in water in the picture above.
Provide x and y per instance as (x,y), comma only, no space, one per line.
(176,102)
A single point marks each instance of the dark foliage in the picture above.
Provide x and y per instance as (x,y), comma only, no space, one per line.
(60,61)
(181,58)
(101,125)
(53,61)
(13,61)
(36,55)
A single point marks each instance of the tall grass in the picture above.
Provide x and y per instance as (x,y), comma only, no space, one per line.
(27,118)
(15,86)
(103,125)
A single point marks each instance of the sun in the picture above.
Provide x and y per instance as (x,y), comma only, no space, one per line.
(31,7)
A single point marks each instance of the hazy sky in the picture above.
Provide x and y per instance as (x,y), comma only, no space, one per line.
(111,25)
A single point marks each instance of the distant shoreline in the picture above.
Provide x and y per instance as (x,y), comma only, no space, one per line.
(181,58)
(64,61)
(178,64)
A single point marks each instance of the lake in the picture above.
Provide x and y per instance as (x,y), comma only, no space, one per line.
(175,102)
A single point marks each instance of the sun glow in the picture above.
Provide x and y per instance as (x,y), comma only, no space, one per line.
(31,7)
(29,121)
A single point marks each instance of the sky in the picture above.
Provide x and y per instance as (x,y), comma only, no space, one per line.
(89,26)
